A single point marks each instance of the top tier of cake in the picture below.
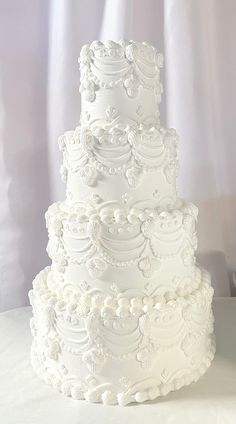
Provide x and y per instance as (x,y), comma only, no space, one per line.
(120,80)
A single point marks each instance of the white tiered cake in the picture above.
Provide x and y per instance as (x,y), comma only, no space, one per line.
(123,314)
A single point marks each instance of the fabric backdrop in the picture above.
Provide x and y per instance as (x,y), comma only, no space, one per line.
(40,42)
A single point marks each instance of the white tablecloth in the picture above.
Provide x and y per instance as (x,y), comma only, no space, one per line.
(26,400)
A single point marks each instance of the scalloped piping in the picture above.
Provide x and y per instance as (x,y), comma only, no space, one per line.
(89,159)
(138,214)
(130,77)
(122,398)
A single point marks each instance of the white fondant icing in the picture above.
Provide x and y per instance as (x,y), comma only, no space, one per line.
(124,313)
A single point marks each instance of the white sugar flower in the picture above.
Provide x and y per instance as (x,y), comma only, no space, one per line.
(88,174)
(133,175)
(145,266)
(131,83)
(96,267)
(94,359)
(88,87)
(85,55)
(87,140)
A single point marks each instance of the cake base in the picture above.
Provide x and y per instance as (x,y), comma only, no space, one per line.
(119,353)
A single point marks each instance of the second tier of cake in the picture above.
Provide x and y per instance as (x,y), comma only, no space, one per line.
(120,160)
(137,248)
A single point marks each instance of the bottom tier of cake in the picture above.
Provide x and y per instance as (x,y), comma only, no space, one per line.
(119,352)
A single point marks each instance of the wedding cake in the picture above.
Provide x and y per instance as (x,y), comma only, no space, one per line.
(123,314)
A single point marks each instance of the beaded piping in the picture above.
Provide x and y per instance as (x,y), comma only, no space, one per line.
(107,306)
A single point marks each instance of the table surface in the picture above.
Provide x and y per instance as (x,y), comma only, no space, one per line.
(26,400)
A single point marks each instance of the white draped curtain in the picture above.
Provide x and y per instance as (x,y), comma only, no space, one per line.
(40,41)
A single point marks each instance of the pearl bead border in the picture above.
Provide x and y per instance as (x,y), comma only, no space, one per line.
(107,306)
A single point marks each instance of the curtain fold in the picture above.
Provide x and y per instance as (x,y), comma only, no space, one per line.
(39,99)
